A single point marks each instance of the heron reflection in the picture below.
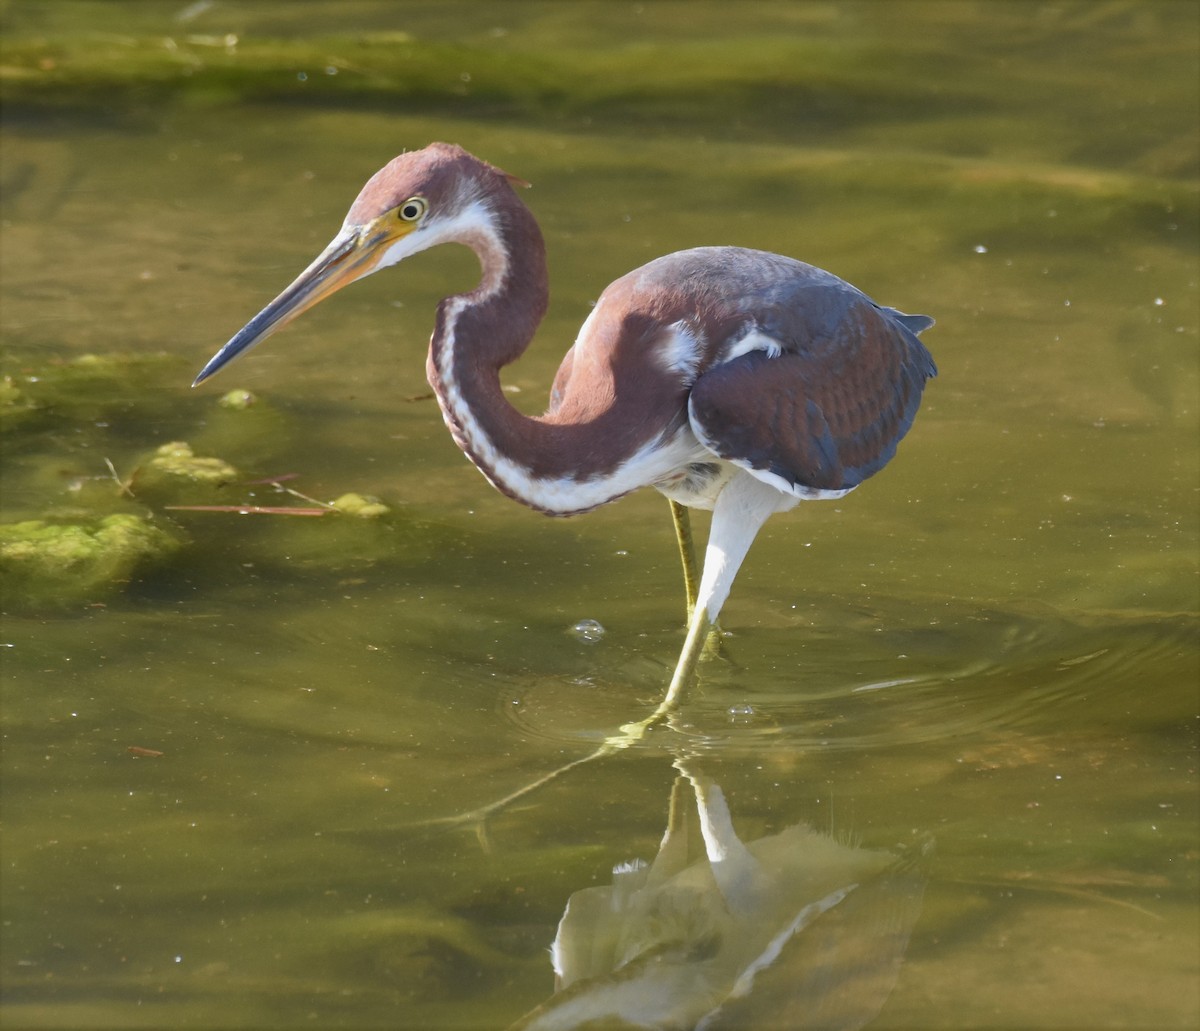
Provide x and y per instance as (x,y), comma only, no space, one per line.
(793,930)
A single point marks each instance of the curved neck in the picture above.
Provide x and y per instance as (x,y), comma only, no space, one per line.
(597,443)
(478,333)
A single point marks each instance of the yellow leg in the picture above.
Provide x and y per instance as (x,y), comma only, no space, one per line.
(701,639)
(477,818)
(685,668)
(687,553)
(691,577)
(628,735)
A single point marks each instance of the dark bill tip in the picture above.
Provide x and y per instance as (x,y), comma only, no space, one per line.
(328,273)
(254,331)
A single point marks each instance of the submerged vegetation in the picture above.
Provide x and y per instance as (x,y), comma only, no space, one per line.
(95,529)
(49,564)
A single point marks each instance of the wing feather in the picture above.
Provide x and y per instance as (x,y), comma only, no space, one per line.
(829,410)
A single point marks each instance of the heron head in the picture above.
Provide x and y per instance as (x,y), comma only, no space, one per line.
(440,194)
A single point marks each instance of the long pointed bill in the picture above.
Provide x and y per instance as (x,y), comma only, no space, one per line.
(354,253)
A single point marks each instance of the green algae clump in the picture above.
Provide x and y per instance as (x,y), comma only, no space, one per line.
(237,400)
(15,406)
(363,507)
(177,460)
(175,475)
(57,564)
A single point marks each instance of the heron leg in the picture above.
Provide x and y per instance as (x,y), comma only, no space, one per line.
(693,647)
(477,818)
(740,510)
(687,552)
(691,573)
(629,734)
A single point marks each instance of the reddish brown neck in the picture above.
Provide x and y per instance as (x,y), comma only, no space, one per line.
(589,450)
(479,333)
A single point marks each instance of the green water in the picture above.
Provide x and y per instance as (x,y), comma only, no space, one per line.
(991,646)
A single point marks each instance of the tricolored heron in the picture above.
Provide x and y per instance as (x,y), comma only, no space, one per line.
(728,379)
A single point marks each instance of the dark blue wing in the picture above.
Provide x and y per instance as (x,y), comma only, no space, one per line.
(829,410)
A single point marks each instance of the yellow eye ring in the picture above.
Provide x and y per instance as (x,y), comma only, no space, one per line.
(413,209)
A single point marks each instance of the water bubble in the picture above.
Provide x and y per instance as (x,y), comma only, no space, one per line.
(588,630)
(741,713)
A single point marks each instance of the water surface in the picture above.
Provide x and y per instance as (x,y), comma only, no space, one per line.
(991,647)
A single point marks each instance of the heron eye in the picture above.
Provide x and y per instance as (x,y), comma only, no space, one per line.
(413,209)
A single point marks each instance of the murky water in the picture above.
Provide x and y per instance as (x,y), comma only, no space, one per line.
(986,659)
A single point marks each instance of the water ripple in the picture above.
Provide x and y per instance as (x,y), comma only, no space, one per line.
(984,674)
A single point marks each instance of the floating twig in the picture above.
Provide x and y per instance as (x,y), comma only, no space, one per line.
(251,509)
